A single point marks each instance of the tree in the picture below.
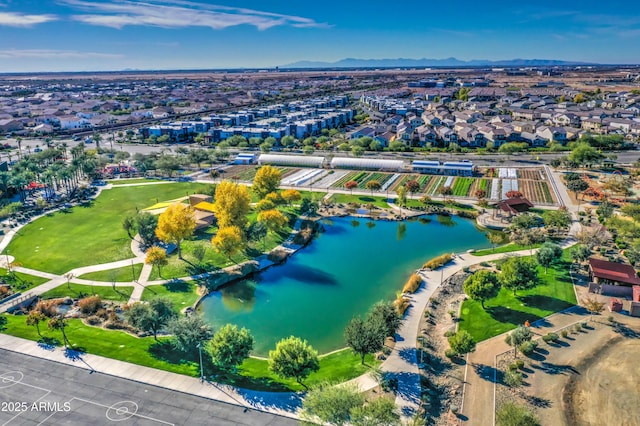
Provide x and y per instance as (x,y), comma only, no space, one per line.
(579,98)
(308,207)
(462,342)
(351,185)
(480,193)
(267,180)
(156,256)
(518,273)
(293,358)
(146,224)
(576,186)
(373,185)
(445,191)
(412,186)
(387,314)
(129,225)
(188,332)
(232,204)
(547,254)
(524,221)
(265,204)
(35,318)
(257,231)
(228,241)
(175,224)
(495,239)
(514,194)
(59,323)
(379,412)
(274,220)
(593,305)
(152,316)
(580,253)
(511,414)
(517,337)
(605,209)
(584,154)
(332,404)
(482,285)
(401,201)
(230,346)
(357,151)
(365,337)
(291,195)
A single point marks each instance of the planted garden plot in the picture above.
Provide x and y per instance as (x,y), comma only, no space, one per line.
(537,191)
(507,186)
(435,183)
(481,184)
(461,186)
(331,178)
(382,178)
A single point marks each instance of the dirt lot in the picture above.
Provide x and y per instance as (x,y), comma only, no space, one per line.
(607,390)
(588,378)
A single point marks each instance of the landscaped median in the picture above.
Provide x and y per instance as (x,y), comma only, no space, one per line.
(254,374)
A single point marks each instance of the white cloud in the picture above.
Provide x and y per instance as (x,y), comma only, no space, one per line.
(179,14)
(53,54)
(13,19)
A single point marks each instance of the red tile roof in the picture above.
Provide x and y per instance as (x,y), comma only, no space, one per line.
(618,272)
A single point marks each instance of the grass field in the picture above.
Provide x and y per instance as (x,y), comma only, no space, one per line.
(124,274)
(506,311)
(507,248)
(92,234)
(81,290)
(253,374)
(360,199)
(20,281)
(181,293)
(117,182)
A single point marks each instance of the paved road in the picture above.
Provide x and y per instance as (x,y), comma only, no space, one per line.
(73,396)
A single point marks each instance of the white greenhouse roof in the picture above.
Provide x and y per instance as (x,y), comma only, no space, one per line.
(368,163)
(297,160)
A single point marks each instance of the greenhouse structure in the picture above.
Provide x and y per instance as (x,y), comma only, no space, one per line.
(291,160)
(366,164)
(451,168)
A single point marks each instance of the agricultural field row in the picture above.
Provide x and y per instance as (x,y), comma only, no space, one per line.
(538,192)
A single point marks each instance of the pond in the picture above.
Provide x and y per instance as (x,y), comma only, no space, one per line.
(342,273)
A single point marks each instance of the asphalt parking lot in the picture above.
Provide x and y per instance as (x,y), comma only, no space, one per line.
(36,391)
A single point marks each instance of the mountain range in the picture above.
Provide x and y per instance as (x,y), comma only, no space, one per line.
(425,62)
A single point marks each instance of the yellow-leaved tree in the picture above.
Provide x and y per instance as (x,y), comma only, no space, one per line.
(175,224)
(274,220)
(291,195)
(232,204)
(228,241)
(156,256)
(267,180)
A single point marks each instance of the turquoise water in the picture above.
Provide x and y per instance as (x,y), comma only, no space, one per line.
(342,273)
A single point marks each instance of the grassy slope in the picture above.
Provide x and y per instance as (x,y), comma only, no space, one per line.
(123,274)
(253,374)
(360,199)
(79,290)
(506,311)
(181,293)
(83,236)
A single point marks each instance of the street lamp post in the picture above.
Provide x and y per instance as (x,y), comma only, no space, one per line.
(201,367)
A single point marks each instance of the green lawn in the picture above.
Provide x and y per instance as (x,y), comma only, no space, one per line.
(360,199)
(124,274)
(92,234)
(412,203)
(81,290)
(506,311)
(253,374)
(182,293)
(507,248)
(117,182)
(20,281)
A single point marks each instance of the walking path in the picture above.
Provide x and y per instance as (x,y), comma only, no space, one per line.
(402,363)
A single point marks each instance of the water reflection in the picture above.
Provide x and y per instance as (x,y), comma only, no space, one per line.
(355,223)
(240,297)
(401,232)
(371,225)
(445,220)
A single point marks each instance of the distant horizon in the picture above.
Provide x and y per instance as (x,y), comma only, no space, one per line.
(47,36)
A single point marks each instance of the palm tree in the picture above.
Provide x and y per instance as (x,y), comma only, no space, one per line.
(19,142)
(97,138)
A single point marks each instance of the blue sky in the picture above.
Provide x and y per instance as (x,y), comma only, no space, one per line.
(87,35)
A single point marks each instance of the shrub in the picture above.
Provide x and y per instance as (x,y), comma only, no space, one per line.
(454,409)
(577,328)
(277,255)
(48,308)
(519,364)
(610,318)
(584,324)
(437,262)
(527,348)
(412,284)
(449,333)
(564,333)
(90,305)
(401,304)
(511,414)
(450,353)
(513,366)
(513,378)
(452,313)
(94,320)
(550,337)
(485,264)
